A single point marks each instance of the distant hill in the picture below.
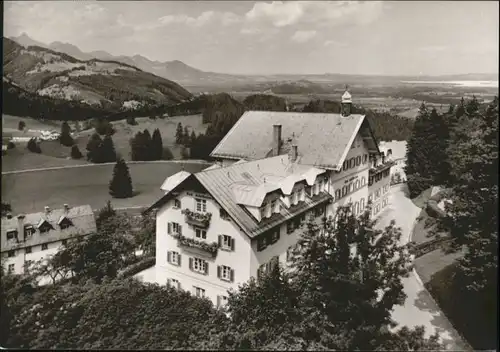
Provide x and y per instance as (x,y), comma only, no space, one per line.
(109,85)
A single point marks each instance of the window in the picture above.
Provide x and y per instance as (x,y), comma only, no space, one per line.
(356,209)
(174,258)
(201,205)
(174,283)
(174,228)
(319,211)
(45,246)
(365,159)
(223,214)
(199,292)
(362,204)
(363,181)
(302,196)
(226,242)
(377,194)
(199,265)
(28,250)
(352,163)
(275,236)
(344,191)
(177,204)
(345,166)
(11,268)
(225,273)
(370,197)
(64,225)
(44,229)
(201,234)
(338,194)
(261,243)
(295,197)
(290,227)
(261,271)
(29,231)
(356,184)
(273,206)
(358,160)
(269,210)
(221,301)
(11,254)
(320,186)
(11,235)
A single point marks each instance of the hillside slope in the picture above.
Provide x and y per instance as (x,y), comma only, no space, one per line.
(106,84)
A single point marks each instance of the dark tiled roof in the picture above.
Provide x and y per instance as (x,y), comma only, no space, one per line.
(82,218)
(322,139)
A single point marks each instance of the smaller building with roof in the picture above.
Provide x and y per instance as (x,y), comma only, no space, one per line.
(27,238)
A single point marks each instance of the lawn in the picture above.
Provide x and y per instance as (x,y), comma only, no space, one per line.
(471,316)
(31,191)
(124,132)
(21,158)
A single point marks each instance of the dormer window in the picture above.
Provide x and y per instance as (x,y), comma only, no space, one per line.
(302,196)
(28,231)
(64,223)
(274,206)
(44,226)
(295,197)
(11,235)
(268,210)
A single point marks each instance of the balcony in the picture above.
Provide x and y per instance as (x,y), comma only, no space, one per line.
(197,247)
(197,219)
(380,167)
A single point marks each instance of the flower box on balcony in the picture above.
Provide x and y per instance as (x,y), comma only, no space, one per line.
(197,219)
(198,246)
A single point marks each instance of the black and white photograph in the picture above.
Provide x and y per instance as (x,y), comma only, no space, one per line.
(250,175)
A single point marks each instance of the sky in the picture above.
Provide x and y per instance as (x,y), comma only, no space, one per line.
(293,37)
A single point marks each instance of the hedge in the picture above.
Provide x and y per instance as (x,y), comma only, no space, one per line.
(137,267)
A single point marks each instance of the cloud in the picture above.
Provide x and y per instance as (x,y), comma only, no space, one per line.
(323,13)
(226,18)
(303,36)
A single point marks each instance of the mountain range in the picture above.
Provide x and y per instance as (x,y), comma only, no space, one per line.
(107,84)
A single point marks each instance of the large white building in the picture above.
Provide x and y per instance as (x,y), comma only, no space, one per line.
(218,228)
(28,238)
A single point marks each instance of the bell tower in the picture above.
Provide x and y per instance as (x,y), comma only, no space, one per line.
(346,105)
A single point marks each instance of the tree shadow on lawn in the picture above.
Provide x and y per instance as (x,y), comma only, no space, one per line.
(449,336)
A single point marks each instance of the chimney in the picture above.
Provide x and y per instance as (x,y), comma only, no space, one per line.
(20,226)
(47,210)
(389,154)
(276,139)
(294,154)
(66,208)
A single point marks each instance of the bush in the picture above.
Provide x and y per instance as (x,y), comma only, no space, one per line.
(131,121)
(21,125)
(33,146)
(138,267)
(167,154)
(104,127)
(11,145)
(75,152)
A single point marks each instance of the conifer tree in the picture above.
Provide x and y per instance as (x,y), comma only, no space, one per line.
(179,134)
(93,146)
(460,109)
(156,145)
(107,150)
(185,137)
(192,138)
(146,147)
(65,137)
(121,183)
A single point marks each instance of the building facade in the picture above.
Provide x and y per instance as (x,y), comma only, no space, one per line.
(28,238)
(218,228)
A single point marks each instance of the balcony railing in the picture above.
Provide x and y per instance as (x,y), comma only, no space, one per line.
(198,246)
(381,167)
(197,219)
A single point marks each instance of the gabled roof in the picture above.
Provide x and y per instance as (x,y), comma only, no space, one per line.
(245,184)
(82,218)
(322,139)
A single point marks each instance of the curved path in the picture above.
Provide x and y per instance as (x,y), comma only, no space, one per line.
(31,190)
(419,307)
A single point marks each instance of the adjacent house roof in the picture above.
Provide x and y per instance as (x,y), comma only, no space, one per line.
(245,184)
(174,180)
(398,149)
(81,217)
(323,139)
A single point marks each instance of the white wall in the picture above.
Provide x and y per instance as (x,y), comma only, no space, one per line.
(36,254)
(238,260)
